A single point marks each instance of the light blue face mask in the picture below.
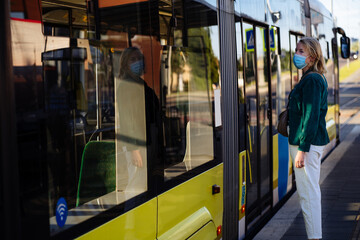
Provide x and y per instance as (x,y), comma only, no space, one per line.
(299,61)
(137,67)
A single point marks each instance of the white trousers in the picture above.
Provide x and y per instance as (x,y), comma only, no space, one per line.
(308,188)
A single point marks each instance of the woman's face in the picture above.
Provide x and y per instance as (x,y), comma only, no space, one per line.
(301,50)
(136,63)
(134,57)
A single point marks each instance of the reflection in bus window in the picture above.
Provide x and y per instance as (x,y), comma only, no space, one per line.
(133,119)
(276,86)
(263,106)
(27,43)
(251,110)
(285,76)
(240,75)
(188,119)
(189,76)
(69,20)
(100,144)
(294,71)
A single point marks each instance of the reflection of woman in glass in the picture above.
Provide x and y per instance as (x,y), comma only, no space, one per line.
(135,109)
(307,130)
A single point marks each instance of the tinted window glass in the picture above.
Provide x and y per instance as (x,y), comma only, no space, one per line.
(275,76)
(241,96)
(189,77)
(251,110)
(27,45)
(88,115)
(294,70)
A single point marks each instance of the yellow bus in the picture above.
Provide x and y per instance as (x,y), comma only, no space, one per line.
(147,119)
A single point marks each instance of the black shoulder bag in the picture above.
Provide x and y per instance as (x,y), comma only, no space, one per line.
(283,121)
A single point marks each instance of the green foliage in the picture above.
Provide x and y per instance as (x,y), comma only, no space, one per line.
(250,68)
(285,60)
(201,59)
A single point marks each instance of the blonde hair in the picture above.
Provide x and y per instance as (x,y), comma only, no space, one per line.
(313,47)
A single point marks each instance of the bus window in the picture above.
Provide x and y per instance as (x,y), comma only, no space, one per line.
(68,20)
(189,77)
(251,110)
(276,85)
(241,93)
(284,87)
(103,119)
(294,71)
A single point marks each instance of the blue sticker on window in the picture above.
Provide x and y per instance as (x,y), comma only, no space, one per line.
(61,212)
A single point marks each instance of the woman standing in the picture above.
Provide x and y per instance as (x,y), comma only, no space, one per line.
(138,124)
(307,130)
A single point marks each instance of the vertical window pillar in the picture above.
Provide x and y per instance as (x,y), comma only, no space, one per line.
(9,190)
(230,118)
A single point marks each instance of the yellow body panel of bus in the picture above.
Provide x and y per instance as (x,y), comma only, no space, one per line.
(138,223)
(188,210)
(188,207)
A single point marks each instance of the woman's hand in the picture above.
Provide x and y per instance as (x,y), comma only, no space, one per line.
(299,159)
(136,158)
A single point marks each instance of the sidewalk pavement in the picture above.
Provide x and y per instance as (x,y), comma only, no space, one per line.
(340,188)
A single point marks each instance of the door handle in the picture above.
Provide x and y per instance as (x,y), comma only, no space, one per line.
(215,189)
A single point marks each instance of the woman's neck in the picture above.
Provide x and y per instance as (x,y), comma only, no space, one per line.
(307,68)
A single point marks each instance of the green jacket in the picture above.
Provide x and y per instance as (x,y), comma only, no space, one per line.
(307,111)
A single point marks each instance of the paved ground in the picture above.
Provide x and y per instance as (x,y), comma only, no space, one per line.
(340,182)
(340,187)
(349,103)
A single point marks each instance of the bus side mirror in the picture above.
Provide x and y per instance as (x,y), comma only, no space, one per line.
(345,47)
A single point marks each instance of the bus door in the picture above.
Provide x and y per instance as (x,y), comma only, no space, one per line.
(256,65)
